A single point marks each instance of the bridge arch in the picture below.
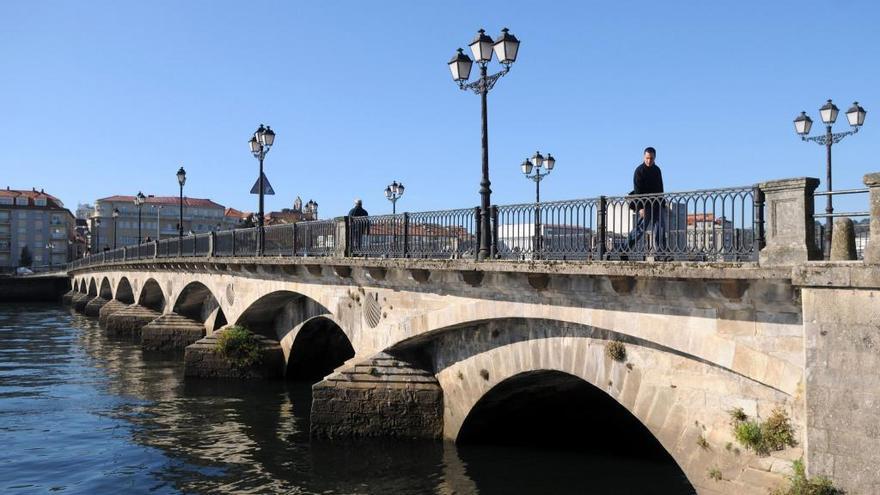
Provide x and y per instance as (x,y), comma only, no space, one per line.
(197,302)
(124,292)
(81,285)
(106,290)
(679,398)
(151,296)
(93,288)
(315,348)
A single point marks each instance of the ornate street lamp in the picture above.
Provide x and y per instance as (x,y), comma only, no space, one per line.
(531,168)
(802,124)
(181,179)
(49,254)
(260,142)
(115,215)
(158,221)
(392,193)
(505,48)
(139,201)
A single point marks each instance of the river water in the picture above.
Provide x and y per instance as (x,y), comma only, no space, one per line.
(81,413)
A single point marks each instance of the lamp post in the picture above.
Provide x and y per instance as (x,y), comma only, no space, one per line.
(802,124)
(115,215)
(158,221)
(505,48)
(536,163)
(49,254)
(260,142)
(393,192)
(139,201)
(181,179)
(97,235)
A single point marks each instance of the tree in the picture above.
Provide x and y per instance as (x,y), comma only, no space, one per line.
(25,258)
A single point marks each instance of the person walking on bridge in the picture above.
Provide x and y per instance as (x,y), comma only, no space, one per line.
(359,228)
(648,179)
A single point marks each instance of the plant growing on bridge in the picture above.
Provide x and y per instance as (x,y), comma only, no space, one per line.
(615,350)
(776,433)
(239,346)
(714,474)
(802,485)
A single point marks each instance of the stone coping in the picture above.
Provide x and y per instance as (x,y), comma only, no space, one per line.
(669,269)
(842,274)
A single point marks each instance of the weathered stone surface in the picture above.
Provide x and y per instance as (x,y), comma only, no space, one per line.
(171,331)
(129,321)
(842,344)
(94,306)
(381,396)
(790,229)
(204,361)
(79,302)
(843,244)
(112,306)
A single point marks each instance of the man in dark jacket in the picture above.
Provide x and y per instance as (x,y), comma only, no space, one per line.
(650,211)
(359,226)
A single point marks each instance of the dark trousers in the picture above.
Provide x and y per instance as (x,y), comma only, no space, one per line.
(655,221)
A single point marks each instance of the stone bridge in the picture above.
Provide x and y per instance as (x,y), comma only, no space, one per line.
(428,348)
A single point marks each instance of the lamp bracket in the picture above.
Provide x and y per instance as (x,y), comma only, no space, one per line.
(484,85)
(830,138)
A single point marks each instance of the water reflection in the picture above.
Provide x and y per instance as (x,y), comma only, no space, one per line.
(86,414)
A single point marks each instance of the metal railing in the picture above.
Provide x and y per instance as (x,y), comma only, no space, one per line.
(862,231)
(708,225)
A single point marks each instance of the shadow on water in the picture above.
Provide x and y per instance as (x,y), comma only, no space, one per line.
(120,418)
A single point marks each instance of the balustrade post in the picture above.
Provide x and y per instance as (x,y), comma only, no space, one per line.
(478,231)
(293,238)
(791,236)
(759,219)
(493,249)
(212,241)
(406,235)
(341,246)
(872,250)
(601,219)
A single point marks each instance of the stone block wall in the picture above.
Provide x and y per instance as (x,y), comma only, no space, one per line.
(842,341)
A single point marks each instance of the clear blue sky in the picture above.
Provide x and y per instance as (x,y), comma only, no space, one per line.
(109,97)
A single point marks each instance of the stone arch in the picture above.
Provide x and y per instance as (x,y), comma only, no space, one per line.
(197,302)
(93,288)
(315,348)
(275,314)
(151,296)
(680,398)
(553,409)
(105,291)
(80,285)
(124,292)
(686,334)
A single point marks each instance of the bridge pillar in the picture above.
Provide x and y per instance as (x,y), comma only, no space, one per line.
(93,307)
(129,321)
(113,306)
(790,231)
(171,331)
(203,360)
(380,397)
(79,302)
(872,251)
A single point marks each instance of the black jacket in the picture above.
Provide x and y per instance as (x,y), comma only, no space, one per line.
(358,211)
(647,180)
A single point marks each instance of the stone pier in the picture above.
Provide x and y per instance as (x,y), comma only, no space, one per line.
(129,321)
(112,306)
(171,331)
(203,360)
(67,298)
(79,302)
(93,307)
(380,397)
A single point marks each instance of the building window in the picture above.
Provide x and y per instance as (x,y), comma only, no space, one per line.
(40,202)
(5,201)
(21,201)
(22,214)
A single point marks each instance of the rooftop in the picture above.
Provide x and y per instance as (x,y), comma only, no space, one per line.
(164,200)
(51,201)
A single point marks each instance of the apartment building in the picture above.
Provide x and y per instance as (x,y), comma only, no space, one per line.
(39,222)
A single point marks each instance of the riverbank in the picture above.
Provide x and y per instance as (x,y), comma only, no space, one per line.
(34,288)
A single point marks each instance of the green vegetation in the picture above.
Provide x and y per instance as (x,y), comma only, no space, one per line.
(801,485)
(702,442)
(239,346)
(776,433)
(715,474)
(615,350)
